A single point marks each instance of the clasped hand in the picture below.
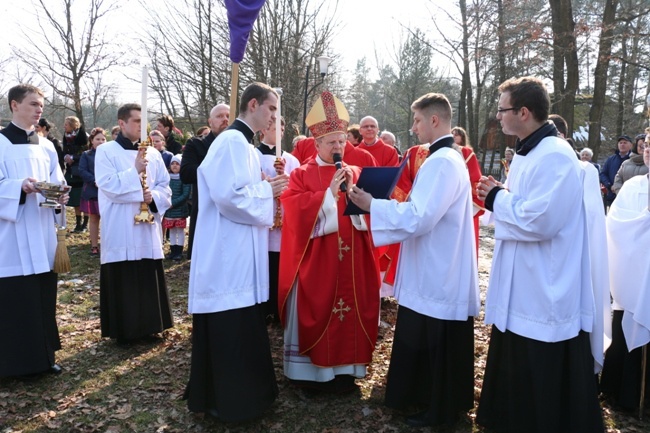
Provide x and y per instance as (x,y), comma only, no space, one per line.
(278,184)
(146,195)
(485,185)
(141,161)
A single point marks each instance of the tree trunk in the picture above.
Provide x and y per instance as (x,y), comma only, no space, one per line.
(600,75)
(565,61)
(466,85)
(572,67)
(620,88)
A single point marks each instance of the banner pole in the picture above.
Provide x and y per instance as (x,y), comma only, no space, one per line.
(234,86)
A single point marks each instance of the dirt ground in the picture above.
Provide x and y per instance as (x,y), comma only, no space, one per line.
(110,388)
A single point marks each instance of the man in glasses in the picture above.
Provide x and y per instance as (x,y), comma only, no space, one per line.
(385,154)
(539,375)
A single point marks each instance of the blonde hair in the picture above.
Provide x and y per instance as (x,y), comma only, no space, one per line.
(73,121)
(157,134)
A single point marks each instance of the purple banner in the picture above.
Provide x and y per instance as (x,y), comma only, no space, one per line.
(241,17)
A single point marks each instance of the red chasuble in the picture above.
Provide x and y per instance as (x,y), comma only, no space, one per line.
(305,150)
(474,176)
(338,280)
(415,157)
(385,154)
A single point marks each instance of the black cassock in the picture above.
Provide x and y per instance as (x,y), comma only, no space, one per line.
(133,299)
(29,335)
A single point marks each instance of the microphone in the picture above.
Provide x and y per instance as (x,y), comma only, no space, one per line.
(337,163)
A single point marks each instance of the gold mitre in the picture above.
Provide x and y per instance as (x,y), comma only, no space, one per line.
(328,115)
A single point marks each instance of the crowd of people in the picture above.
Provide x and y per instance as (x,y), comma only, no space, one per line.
(292,239)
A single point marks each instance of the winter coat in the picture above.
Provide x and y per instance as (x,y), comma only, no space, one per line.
(75,146)
(87,173)
(630,168)
(609,170)
(180,194)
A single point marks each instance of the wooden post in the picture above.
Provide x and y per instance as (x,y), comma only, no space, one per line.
(234,86)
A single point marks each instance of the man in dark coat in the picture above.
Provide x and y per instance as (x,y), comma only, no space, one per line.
(195,150)
(611,166)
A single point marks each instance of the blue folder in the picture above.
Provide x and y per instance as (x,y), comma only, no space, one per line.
(379,182)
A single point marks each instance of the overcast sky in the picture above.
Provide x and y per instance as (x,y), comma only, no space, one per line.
(366,26)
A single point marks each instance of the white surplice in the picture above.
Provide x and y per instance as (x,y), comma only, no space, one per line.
(267,161)
(120,195)
(628,237)
(437,273)
(601,334)
(27,231)
(541,283)
(230,252)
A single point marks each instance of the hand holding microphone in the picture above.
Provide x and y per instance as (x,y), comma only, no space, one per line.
(337,162)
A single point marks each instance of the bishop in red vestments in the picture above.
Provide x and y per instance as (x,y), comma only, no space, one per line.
(329,282)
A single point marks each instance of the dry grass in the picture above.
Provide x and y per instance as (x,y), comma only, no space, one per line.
(109,388)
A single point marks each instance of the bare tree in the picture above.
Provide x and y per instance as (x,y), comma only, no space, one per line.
(65,51)
(632,72)
(565,61)
(187,43)
(287,37)
(600,75)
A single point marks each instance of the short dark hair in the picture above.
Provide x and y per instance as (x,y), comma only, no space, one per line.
(436,102)
(167,121)
(529,92)
(43,123)
(124,112)
(19,92)
(560,124)
(258,91)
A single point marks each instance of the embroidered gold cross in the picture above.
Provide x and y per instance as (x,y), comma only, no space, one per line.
(342,249)
(341,310)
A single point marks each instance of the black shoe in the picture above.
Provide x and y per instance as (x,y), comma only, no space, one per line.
(78,229)
(55,369)
(425,419)
(212,413)
(420,419)
(344,384)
